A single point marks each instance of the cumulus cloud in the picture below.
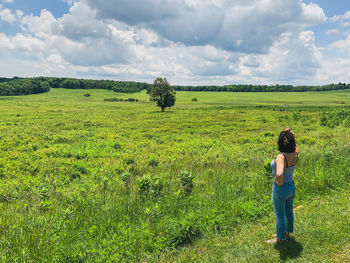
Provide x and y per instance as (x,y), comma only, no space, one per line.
(79,37)
(344,19)
(8,1)
(92,52)
(81,22)
(291,56)
(44,25)
(31,46)
(341,46)
(245,26)
(187,41)
(7,16)
(334,70)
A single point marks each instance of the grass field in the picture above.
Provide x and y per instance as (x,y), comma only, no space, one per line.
(83,180)
(321,235)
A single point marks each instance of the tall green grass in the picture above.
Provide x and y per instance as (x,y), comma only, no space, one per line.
(84,180)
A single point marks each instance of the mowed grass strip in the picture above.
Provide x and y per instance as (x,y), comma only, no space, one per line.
(322,234)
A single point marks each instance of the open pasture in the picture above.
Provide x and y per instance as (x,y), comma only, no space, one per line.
(84,180)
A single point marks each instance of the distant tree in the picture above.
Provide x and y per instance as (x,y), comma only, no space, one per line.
(162,93)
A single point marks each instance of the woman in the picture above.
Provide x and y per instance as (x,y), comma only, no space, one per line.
(283,190)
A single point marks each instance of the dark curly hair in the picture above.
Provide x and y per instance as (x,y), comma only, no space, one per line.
(286,141)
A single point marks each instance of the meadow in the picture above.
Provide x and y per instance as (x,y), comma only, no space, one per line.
(88,180)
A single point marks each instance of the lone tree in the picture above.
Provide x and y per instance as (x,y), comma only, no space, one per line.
(162,93)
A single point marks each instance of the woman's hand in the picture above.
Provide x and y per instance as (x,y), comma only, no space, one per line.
(279,170)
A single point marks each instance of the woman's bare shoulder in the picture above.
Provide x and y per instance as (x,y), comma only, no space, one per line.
(280,157)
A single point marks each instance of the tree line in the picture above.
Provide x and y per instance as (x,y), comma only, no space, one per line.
(25,86)
(263,88)
(117,86)
(18,86)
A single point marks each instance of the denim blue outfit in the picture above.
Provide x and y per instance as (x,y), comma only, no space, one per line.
(282,197)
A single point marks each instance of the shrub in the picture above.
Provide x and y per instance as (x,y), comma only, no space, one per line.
(87,95)
(296,116)
(45,205)
(268,168)
(333,119)
(329,120)
(329,156)
(126,179)
(2,171)
(117,146)
(80,168)
(74,175)
(185,178)
(184,232)
(117,99)
(194,100)
(150,186)
(129,160)
(44,194)
(153,161)
(347,122)
(114,99)
(269,134)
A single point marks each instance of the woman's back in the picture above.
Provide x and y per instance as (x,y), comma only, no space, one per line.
(289,165)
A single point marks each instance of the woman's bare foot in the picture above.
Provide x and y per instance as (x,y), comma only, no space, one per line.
(274,241)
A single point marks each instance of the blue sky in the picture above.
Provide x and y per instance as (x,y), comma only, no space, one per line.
(56,7)
(330,8)
(334,7)
(188,41)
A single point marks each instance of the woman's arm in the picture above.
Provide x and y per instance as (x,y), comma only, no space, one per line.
(279,169)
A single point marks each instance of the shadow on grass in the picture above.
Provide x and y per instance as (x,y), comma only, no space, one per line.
(290,249)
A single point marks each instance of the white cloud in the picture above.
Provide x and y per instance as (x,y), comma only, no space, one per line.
(188,41)
(290,55)
(19,13)
(249,26)
(79,37)
(81,22)
(345,16)
(9,1)
(343,20)
(70,2)
(7,16)
(341,46)
(30,46)
(44,25)
(334,70)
